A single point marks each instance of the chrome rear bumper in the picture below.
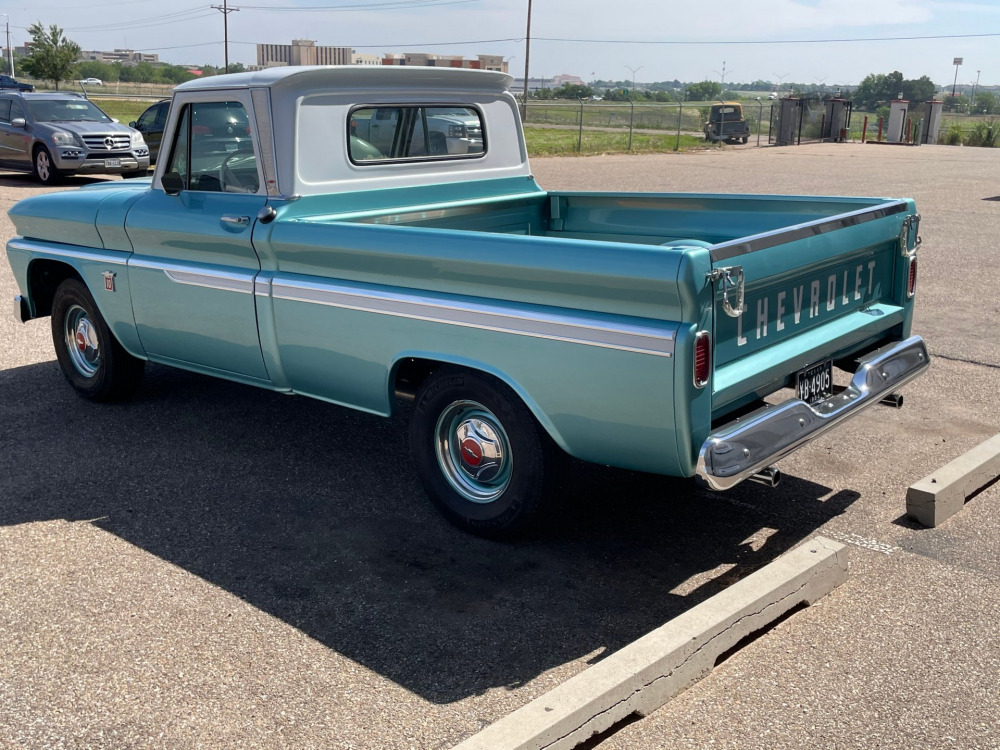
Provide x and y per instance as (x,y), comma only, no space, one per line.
(745,446)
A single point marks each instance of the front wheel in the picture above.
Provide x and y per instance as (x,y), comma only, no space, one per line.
(45,170)
(745,139)
(479,452)
(93,361)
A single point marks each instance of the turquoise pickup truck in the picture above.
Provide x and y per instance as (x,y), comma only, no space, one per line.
(687,335)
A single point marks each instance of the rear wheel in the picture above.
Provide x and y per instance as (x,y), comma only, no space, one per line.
(93,361)
(45,170)
(479,452)
(745,139)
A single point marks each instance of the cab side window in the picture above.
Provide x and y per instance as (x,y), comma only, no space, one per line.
(5,110)
(213,150)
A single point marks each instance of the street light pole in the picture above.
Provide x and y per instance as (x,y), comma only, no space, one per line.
(957,63)
(634,71)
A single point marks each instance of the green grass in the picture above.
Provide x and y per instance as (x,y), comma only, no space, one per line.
(550,142)
(123,110)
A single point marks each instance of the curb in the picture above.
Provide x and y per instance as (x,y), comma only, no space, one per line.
(936,498)
(647,673)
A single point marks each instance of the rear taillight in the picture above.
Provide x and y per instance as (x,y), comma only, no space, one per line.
(911,281)
(702,358)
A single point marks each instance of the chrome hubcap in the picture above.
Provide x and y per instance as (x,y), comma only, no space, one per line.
(473,451)
(81,342)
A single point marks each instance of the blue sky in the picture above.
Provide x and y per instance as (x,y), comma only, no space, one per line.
(660,39)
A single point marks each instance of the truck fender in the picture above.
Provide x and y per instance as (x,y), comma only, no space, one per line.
(432,360)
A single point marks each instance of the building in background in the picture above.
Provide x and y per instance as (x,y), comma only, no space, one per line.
(365,59)
(307,52)
(427,59)
(123,56)
(302,52)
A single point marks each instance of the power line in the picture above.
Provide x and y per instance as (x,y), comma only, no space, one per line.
(768,41)
(385,4)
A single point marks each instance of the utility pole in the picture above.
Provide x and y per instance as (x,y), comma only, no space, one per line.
(972,101)
(10,52)
(225,10)
(527,57)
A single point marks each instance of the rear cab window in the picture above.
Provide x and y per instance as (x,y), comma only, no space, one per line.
(386,133)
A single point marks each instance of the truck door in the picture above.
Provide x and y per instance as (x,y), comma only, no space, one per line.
(193,268)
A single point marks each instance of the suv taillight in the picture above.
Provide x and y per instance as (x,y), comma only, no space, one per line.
(911,281)
(702,358)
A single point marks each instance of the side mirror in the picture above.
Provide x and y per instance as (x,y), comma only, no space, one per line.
(172,183)
(18,122)
(132,124)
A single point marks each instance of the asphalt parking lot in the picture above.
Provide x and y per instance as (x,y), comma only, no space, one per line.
(212,565)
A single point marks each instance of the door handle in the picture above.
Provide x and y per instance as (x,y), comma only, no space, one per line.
(239,221)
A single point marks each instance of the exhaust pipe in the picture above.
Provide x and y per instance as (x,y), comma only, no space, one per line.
(894,400)
(769,476)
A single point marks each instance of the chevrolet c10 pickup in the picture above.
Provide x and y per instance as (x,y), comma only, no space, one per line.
(679,334)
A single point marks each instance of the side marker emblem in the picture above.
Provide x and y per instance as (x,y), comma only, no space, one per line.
(109,280)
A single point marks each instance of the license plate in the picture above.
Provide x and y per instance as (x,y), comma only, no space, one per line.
(108,163)
(815,384)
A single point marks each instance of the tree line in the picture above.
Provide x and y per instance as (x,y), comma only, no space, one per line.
(55,58)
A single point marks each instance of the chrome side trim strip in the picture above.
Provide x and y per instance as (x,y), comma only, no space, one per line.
(262,287)
(113,257)
(735,248)
(225,281)
(652,340)
(744,447)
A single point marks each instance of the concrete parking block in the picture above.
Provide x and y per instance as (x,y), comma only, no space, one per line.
(647,673)
(939,496)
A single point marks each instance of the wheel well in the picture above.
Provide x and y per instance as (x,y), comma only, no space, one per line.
(44,277)
(411,372)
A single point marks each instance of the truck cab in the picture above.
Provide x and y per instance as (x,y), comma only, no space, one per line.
(725,123)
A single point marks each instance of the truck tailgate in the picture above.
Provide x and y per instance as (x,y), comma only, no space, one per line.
(812,292)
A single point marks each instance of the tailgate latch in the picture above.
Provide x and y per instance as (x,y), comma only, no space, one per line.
(732,283)
(908,233)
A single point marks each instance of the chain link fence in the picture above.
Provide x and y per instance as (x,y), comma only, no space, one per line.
(594,120)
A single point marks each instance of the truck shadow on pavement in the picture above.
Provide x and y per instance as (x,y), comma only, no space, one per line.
(312,513)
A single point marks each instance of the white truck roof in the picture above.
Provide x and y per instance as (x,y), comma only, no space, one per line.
(356,76)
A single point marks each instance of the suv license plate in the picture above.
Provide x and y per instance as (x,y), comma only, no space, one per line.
(815,384)
(109,163)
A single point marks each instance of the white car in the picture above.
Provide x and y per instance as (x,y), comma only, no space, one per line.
(91,82)
(772,96)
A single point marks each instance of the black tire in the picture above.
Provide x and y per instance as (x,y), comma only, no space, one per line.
(45,170)
(481,456)
(745,139)
(93,361)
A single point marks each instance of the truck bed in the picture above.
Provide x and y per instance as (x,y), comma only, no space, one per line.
(844,247)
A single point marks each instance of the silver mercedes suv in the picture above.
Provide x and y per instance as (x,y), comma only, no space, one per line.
(56,134)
